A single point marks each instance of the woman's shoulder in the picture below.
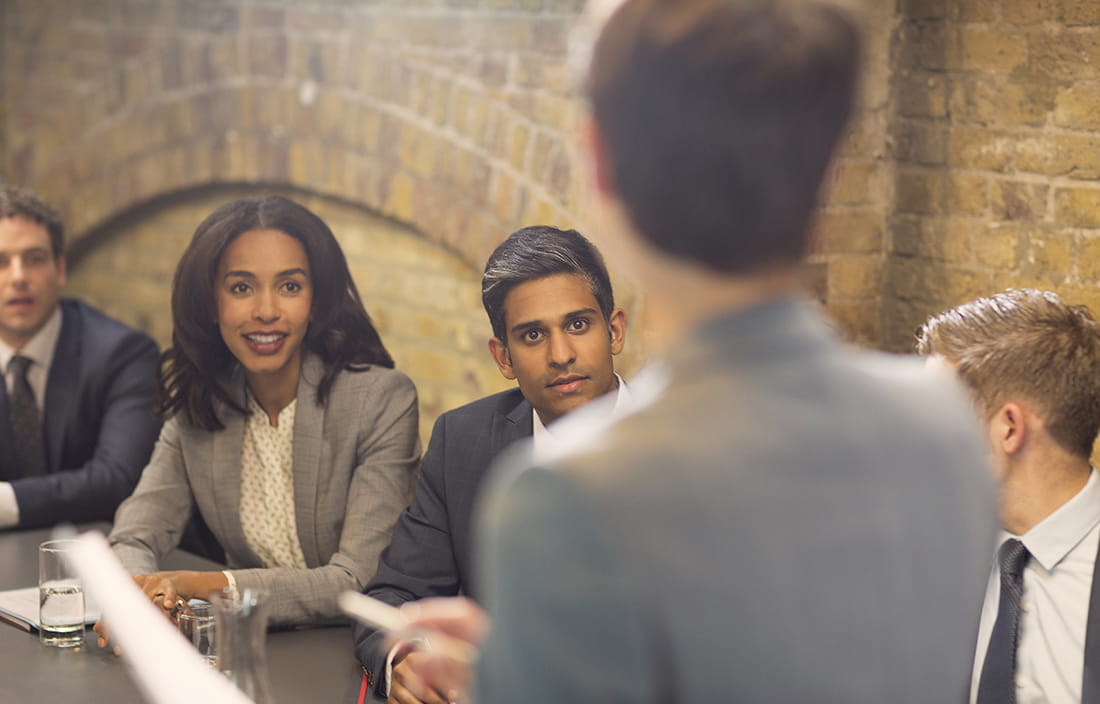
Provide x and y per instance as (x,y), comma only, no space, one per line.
(360,379)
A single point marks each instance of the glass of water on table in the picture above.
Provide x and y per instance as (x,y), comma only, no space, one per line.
(60,597)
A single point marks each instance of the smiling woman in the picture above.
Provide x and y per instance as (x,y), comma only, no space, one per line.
(288,430)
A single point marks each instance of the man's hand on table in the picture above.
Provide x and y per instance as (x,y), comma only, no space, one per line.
(431,676)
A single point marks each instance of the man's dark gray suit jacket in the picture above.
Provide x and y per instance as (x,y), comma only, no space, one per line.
(430,554)
(787,520)
(99,421)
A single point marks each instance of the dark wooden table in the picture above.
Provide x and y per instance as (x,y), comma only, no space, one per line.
(309,665)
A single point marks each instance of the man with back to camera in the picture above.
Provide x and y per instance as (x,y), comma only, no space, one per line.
(555,332)
(1032,363)
(779,518)
(77,421)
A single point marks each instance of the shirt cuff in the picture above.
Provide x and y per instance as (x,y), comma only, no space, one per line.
(415,642)
(9,506)
(231,579)
(389,668)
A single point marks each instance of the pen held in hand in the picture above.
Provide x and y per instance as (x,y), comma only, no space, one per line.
(384,617)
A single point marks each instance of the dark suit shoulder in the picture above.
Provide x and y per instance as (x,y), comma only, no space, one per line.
(509,403)
(96,329)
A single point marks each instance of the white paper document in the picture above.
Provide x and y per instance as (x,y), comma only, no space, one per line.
(165,667)
(19,607)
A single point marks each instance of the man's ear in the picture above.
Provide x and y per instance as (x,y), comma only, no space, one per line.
(595,153)
(1008,428)
(61,271)
(502,358)
(617,326)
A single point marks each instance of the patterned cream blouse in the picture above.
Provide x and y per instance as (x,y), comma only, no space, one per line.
(267,488)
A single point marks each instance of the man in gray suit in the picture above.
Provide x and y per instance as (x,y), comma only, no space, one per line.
(556,330)
(781,518)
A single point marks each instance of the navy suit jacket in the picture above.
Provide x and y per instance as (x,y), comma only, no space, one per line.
(430,551)
(99,421)
(1090,687)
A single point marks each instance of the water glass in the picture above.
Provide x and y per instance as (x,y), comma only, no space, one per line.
(196,623)
(60,597)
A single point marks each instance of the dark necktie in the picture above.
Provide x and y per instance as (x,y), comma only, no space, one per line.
(998,681)
(25,423)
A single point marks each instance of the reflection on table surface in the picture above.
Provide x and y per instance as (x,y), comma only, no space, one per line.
(309,665)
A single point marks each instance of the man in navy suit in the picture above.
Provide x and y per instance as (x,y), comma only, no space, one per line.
(77,406)
(1033,365)
(555,331)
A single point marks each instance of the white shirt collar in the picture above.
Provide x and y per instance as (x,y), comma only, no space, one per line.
(1056,535)
(544,438)
(40,350)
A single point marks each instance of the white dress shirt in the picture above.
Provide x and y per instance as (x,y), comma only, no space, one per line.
(1050,652)
(39,350)
(543,437)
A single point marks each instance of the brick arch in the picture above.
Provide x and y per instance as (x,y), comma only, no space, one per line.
(463,149)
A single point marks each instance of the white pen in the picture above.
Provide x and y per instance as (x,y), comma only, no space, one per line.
(382,616)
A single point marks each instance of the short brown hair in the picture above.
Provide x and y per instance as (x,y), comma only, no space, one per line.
(20,202)
(1027,344)
(719,118)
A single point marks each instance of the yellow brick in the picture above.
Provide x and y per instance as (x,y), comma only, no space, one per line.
(923,95)
(850,233)
(987,150)
(517,146)
(1013,200)
(919,191)
(925,9)
(1049,257)
(961,285)
(852,182)
(1076,107)
(1064,56)
(1079,13)
(996,245)
(991,99)
(1060,155)
(991,50)
(966,194)
(858,321)
(1079,207)
(1089,262)
(1027,12)
(854,276)
(400,201)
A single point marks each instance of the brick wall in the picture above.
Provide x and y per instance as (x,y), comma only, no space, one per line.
(998,151)
(970,165)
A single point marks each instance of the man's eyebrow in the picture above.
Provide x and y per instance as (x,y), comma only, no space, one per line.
(521,328)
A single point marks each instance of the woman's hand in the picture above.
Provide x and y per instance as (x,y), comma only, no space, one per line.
(167,590)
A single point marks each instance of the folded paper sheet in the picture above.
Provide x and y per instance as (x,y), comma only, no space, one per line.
(164,665)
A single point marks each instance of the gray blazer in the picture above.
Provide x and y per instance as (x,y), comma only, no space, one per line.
(355,465)
(789,521)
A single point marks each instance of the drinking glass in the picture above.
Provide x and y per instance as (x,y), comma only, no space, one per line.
(196,623)
(60,597)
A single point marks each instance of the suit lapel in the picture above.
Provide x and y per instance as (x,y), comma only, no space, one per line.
(1090,686)
(61,386)
(8,470)
(510,425)
(309,427)
(224,452)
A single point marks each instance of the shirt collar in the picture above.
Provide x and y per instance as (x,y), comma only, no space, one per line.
(542,434)
(1056,535)
(258,416)
(40,348)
